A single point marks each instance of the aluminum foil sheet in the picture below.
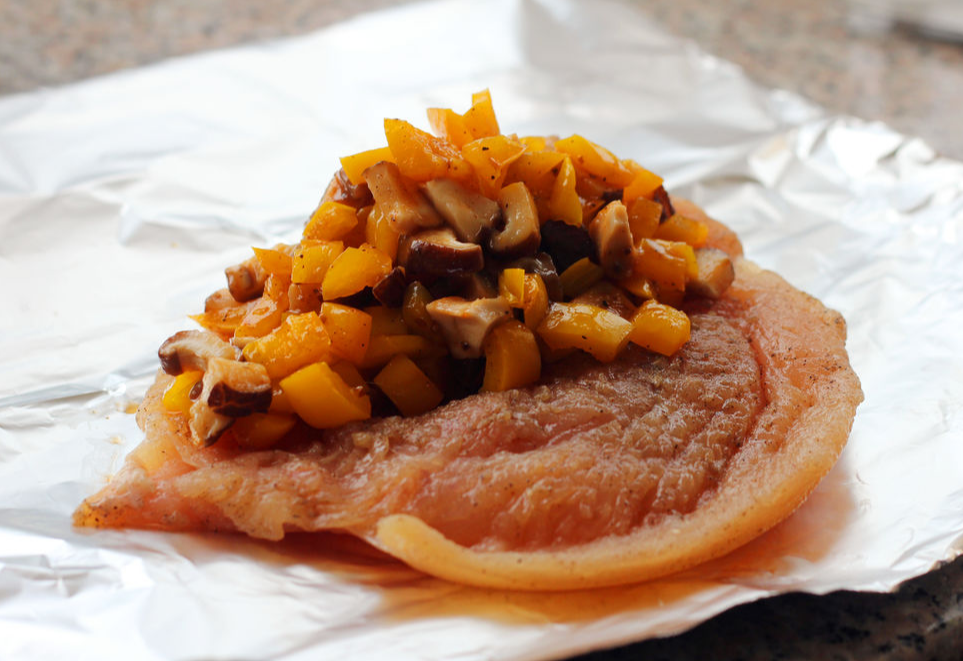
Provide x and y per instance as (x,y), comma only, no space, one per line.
(123,198)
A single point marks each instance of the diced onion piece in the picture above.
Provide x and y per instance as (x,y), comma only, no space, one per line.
(600,332)
(322,399)
(660,328)
(408,387)
(512,357)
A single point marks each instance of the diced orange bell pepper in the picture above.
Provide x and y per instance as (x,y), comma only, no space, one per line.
(407,386)
(299,340)
(421,156)
(449,125)
(480,118)
(260,320)
(386,321)
(596,160)
(535,302)
(687,230)
(276,288)
(349,330)
(660,328)
(322,399)
(355,165)
(512,357)
(598,331)
(331,221)
(654,260)
(511,287)
(564,203)
(380,233)
(311,263)
(260,431)
(353,270)
(644,215)
(580,276)
(224,321)
(490,158)
(533,166)
(274,261)
(381,348)
(643,184)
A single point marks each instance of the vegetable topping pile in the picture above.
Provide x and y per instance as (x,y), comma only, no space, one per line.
(438,267)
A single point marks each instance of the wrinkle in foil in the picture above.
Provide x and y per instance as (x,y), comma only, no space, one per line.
(123,198)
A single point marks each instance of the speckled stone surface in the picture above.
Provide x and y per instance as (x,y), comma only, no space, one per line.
(821,49)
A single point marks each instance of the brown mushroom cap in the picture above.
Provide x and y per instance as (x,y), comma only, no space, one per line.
(438,252)
(405,207)
(236,389)
(191,350)
(715,273)
(245,281)
(520,235)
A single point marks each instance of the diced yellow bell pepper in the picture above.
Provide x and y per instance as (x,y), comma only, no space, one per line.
(381,348)
(354,166)
(380,233)
(686,230)
(534,142)
(224,321)
(533,167)
(480,118)
(177,396)
(600,332)
(353,270)
(512,357)
(349,330)
(276,288)
(564,204)
(349,373)
(260,431)
(596,160)
(644,215)
(299,340)
(660,328)
(280,404)
(654,260)
(421,156)
(274,261)
(535,301)
(407,386)
(387,321)
(511,287)
(331,221)
(449,125)
(643,184)
(580,276)
(263,317)
(311,263)
(639,285)
(490,158)
(322,399)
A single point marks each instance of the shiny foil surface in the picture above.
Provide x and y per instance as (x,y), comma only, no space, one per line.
(123,198)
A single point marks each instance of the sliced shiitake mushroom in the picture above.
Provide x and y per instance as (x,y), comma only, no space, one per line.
(406,208)
(466,323)
(715,273)
(342,190)
(390,290)
(191,350)
(565,243)
(613,239)
(245,281)
(478,285)
(470,214)
(662,197)
(233,388)
(437,253)
(520,234)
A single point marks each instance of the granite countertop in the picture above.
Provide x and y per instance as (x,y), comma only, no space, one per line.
(821,49)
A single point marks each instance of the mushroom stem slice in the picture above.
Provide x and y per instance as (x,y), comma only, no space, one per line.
(521,235)
(715,273)
(465,324)
(613,237)
(470,214)
(439,253)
